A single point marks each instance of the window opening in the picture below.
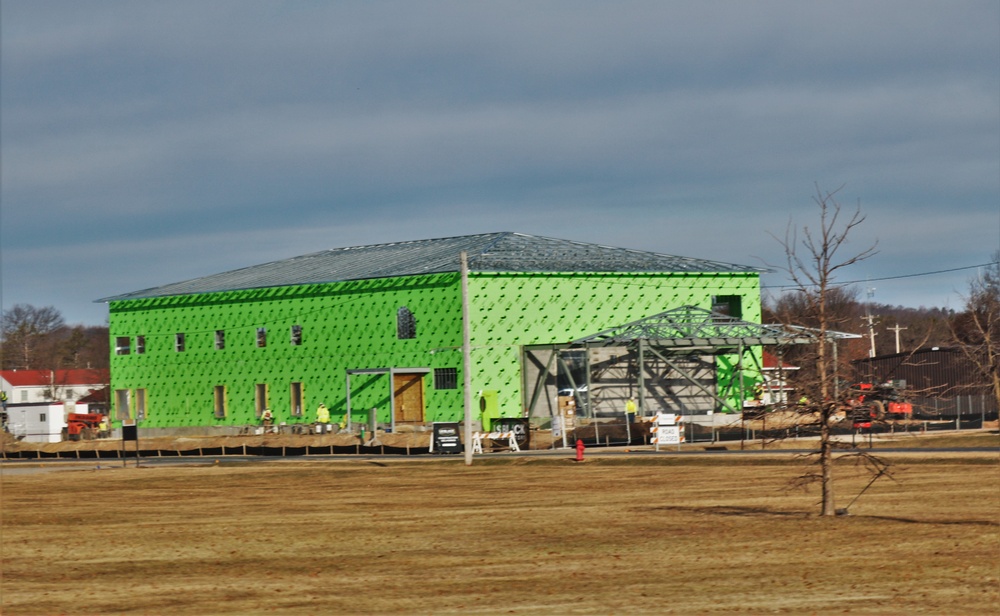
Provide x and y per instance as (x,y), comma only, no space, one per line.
(730,305)
(140,345)
(122,345)
(406,324)
(220,401)
(296,335)
(123,407)
(260,398)
(296,399)
(261,337)
(179,342)
(220,339)
(140,404)
(446,378)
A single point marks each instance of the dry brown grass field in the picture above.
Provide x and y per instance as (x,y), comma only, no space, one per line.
(661,534)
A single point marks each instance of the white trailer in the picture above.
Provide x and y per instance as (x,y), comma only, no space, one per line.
(40,422)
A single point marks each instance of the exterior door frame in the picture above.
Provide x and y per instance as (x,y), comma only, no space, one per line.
(392,372)
(410,379)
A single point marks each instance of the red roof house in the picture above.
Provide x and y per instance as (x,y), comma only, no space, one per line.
(35,386)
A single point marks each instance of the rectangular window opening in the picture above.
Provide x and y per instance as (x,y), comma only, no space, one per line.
(406,324)
(261,337)
(260,398)
(140,404)
(122,344)
(446,378)
(296,399)
(220,401)
(220,339)
(123,404)
(296,335)
(179,342)
(729,305)
(140,345)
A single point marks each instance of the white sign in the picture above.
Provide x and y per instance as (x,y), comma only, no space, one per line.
(669,435)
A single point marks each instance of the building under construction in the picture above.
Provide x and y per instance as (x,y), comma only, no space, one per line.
(376,334)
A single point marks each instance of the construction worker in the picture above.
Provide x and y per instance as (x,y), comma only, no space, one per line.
(630,408)
(267,417)
(322,414)
(102,427)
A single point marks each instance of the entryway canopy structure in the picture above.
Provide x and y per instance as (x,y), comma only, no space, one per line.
(633,360)
(393,393)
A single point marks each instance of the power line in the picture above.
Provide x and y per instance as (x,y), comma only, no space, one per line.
(900,277)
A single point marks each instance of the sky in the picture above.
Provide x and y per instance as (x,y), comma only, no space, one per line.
(150,142)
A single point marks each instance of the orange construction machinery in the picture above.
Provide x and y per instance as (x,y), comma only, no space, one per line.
(84,426)
(867,402)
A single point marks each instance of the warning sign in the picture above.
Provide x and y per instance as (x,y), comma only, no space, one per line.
(666,429)
(669,435)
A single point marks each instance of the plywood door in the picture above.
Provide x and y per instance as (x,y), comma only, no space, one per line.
(408,394)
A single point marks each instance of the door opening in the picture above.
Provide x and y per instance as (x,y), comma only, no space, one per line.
(408,397)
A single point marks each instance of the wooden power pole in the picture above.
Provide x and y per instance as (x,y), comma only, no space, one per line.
(466,358)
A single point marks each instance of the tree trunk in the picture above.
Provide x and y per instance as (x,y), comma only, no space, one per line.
(996,388)
(826,464)
(825,412)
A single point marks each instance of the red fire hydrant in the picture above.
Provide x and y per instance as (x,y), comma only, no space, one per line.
(579,450)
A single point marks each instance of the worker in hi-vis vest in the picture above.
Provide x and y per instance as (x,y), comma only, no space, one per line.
(630,408)
(322,414)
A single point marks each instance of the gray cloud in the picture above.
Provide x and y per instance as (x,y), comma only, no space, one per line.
(145,143)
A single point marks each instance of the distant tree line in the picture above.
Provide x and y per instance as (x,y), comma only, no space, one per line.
(37,338)
(918,327)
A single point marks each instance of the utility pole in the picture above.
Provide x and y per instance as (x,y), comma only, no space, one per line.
(896,329)
(871,333)
(871,320)
(466,358)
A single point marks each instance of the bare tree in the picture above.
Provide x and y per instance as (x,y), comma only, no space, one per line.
(977,330)
(25,331)
(812,261)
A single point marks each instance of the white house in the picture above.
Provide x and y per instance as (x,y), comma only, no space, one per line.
(37,386)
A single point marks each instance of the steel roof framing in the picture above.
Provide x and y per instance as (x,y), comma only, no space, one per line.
(688,330)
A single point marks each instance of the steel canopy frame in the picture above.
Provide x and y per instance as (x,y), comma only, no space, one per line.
(684,331)
(693,327)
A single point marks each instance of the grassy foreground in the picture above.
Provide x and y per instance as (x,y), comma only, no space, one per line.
(658,535)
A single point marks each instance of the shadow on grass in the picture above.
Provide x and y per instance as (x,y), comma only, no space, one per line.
(991,523)
(729,510)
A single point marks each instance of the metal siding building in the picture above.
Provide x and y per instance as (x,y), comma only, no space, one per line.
(381,326)
(938,371)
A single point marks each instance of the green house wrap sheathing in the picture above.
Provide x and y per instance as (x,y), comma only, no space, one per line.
(238,344)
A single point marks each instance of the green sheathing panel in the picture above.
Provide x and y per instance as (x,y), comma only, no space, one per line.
(518,309)
(353,326)
(729,385)
(345,326)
